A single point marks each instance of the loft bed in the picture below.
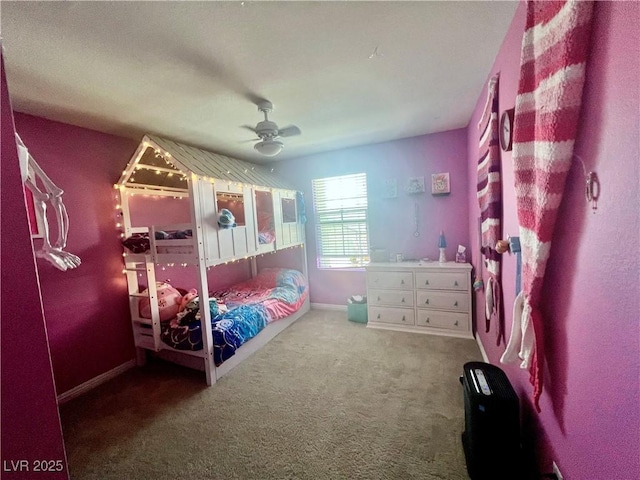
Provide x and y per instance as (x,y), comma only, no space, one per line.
(183,206)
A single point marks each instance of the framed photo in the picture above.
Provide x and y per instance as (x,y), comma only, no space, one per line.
(440,184)
(415,185)
(390,188)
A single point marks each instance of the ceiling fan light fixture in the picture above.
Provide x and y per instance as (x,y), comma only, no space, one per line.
(269,148)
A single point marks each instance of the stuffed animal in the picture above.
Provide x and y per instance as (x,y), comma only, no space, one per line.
(169,300)
(226,219)
(187,298)
(190,309)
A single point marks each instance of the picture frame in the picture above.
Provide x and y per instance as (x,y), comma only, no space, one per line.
(389,188)
(440,184)
(415,185)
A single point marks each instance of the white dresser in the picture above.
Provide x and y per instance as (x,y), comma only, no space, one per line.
(420,297)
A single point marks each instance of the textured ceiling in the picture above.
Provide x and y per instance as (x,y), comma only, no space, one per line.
(346,73)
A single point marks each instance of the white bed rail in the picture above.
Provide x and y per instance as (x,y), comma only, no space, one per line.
(173,250)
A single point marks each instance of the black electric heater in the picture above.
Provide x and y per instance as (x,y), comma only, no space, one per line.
(491,437)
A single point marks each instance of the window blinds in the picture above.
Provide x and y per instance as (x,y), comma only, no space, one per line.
(342,234)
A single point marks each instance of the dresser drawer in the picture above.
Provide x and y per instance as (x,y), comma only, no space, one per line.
(399,298)
(452,301)
(436,319)
(379,279)
(442,281)
(398,316)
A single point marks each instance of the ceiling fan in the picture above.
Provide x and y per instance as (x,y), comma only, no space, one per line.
(268,132)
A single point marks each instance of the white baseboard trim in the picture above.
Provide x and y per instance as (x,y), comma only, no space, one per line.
(95,381)
(328,306)
(482,350)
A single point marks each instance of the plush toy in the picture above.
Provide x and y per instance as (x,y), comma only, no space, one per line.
(187,298)
(226,219)
(169,300)
(190,309)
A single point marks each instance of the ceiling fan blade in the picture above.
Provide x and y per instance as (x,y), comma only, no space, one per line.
(290,131)
(252,140)
(249,128)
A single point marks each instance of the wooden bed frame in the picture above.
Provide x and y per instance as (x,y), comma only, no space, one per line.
(200,177)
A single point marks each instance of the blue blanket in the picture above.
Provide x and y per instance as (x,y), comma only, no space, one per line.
(274,293)
(230,330)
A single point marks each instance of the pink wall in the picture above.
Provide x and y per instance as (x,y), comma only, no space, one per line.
(222,276)
(391,220)
(86,309)
(30,422)
(590,417)
(146,210)
(287,258)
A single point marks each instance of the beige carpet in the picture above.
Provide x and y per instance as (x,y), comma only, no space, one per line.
(326,399)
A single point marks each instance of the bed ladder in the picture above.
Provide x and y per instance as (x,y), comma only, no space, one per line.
(146,331)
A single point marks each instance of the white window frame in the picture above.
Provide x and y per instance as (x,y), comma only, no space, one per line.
(340,207)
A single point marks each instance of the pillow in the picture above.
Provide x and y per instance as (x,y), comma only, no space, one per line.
(137,243)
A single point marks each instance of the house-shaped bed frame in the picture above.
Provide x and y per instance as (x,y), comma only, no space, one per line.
(211,182)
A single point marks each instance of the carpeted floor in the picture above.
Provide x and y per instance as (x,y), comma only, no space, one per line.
(326,399)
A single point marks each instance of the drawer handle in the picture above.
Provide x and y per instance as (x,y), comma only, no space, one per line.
(455,284)
(378,297)
(403,318)
(427,301)
(402,282)
(378,315)
(426,282)
(402,299)
(455,304)
(456,324)
(428,320)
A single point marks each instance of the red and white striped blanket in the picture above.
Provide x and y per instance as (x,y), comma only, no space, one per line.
(552,73)
(490,199)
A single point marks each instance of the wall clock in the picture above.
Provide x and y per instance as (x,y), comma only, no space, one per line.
(506,130)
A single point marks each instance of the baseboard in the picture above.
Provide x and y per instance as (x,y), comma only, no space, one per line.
(94,382)
(482,350)
(328,306)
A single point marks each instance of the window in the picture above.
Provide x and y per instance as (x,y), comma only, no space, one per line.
(234,202)
(342,236)
(289,210)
